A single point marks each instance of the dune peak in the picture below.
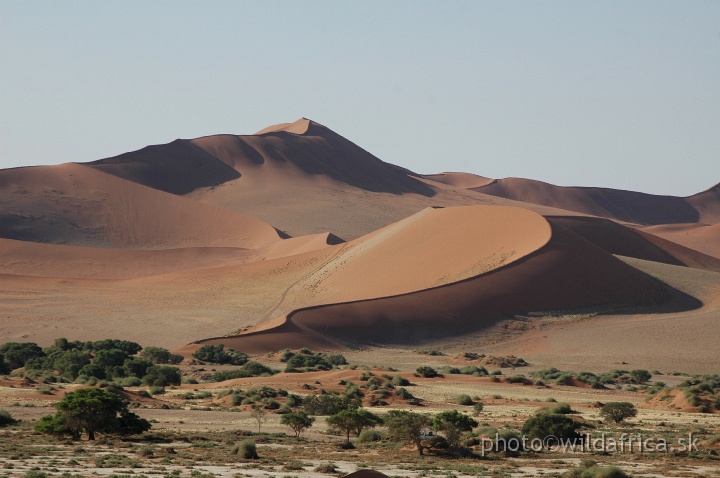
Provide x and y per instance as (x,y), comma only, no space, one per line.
(300,127)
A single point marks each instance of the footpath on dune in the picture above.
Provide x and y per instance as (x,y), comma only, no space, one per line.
(443,272)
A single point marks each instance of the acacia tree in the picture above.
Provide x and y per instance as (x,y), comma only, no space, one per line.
(452,423)
(92,410)
(406,425)
(353,421)
(618,411)
(298,421)
(259,415)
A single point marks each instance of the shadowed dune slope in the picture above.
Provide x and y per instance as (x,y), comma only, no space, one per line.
(78,205)
(618,239)
(616,204)
(565,271)
(701,237)
(308,148)
(178,167)
(707,203)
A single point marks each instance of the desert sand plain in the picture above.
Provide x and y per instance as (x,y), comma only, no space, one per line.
(296,237)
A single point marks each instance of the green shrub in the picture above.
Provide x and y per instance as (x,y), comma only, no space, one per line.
(464,399)
(587,470)
(560,408)
(6,419)
(156,390)
(218,354)
(399,381)
(427,372)
(250,369)
(246,450)
(404,394)
(554,425)
(618,411)
(369,435)
(162,376)
(129,382)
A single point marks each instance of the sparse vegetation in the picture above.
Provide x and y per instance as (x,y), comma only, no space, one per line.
(618,411)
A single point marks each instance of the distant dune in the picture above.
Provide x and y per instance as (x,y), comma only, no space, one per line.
(459,180)
(242,239)
(624,241)
(78,205)
(616,204)
(700,237)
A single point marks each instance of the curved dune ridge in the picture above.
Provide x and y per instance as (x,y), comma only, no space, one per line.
(617,204)
(432,291)
(300,126)
(79,205)
(459,180)
(624,241)
(700,237)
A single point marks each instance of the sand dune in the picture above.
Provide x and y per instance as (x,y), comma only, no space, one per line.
(78,205)
(34,259)
(459,180)
(549,268)
(621,240)
(616,204)
(186,240)
(308,148)
(179,167)
(707,203)
(700,237)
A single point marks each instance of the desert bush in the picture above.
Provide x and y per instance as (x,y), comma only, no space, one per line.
(305,361)
(550,424)
(426,371)
(478,408)
(129,382)
(369,436)
(218,354)
(404,394)
(327,468)
(160,355)
(590,469)
(162,376)
(618,411)
(156,390)
(399,381)
(16,354)
(560,408)
(518,379)
(6,418)
(464,399)
(246,450)
(336,359)
(640,376)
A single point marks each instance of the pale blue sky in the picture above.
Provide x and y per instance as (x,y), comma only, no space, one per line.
(622,94)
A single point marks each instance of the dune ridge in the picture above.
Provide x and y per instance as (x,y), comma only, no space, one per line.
(629,206)
(700,237)
(557,270)
(79,205)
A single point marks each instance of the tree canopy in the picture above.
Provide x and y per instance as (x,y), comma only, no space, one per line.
(91,411)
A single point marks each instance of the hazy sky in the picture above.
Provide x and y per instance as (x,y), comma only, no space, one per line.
(621,94)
